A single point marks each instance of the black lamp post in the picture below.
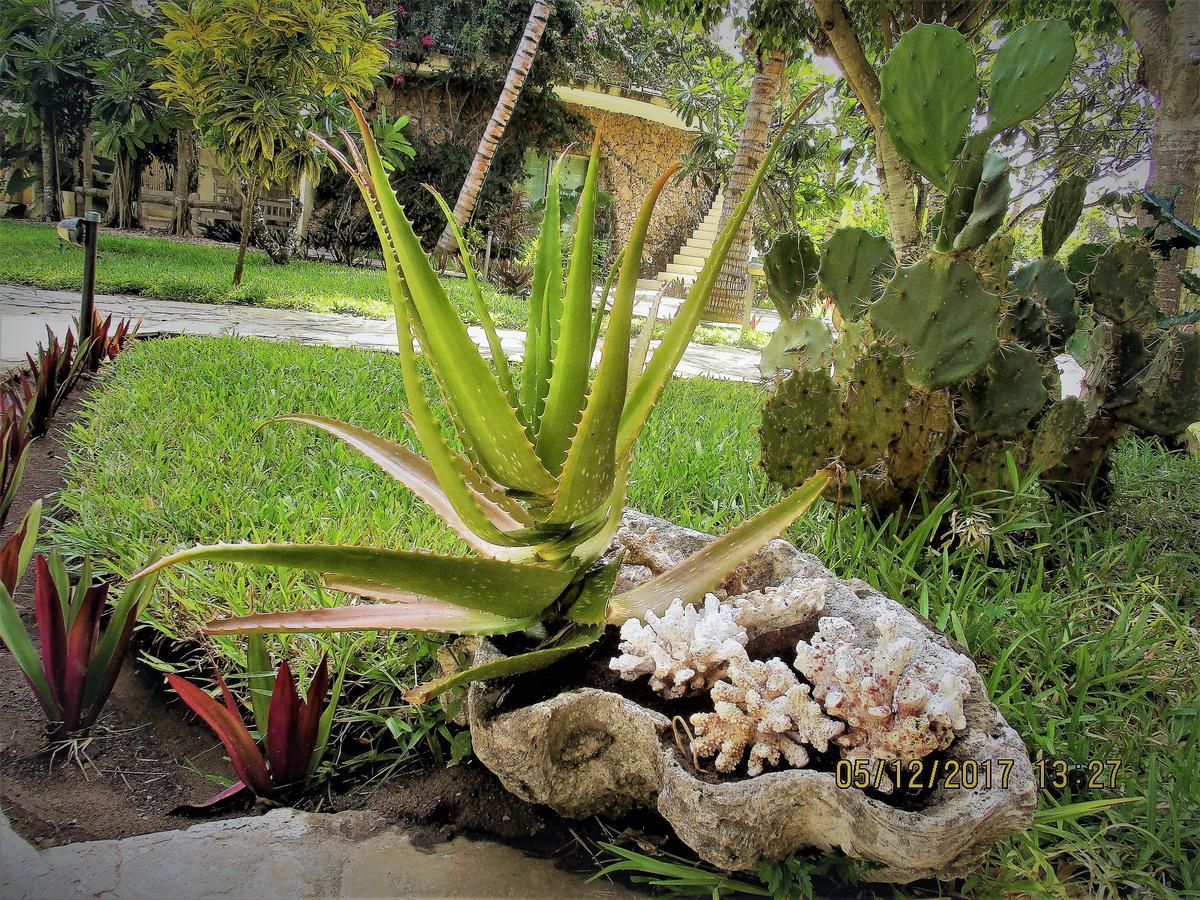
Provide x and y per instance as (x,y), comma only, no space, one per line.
(84,231)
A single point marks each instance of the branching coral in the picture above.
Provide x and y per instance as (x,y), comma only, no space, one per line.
(764,707)
(685,651)
(798,599)
(895,709)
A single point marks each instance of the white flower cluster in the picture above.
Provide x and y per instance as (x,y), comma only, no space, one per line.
(685,651)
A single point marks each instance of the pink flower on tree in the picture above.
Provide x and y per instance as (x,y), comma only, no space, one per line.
(427,41)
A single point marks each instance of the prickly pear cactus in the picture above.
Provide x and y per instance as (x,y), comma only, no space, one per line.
(790,266)
(854,267)
(947,376)
(940,316)
(796,344)
(1062,213)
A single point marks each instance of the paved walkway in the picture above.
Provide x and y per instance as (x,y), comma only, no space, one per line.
(25,312)
(284,854)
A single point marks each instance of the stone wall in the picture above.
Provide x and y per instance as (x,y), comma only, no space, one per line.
(635,152)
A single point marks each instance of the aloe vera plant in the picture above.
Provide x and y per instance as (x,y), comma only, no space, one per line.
(539,488)
(74,667)
(294,728)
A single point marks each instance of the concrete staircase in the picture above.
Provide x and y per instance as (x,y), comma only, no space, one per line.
(690,258)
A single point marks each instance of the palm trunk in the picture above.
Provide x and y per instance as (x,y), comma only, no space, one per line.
(518,71)
(896,181)
(730,299)
(50,211)
(181,223)
(250,195)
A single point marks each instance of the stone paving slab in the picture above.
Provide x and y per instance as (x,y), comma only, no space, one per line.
(282,854)
(25,311)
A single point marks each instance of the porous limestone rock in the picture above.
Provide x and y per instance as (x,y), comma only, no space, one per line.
(765,708)
(588,751)
(686,651)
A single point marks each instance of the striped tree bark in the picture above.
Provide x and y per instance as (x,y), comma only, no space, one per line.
(518,71)
(729,301)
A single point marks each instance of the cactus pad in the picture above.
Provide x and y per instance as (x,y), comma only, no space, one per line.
(854,266)
(1169,399)
(1062,213)
(989,204)
(1058,430)
(993,261)
(796,344)
(802,427)
(914,459)
(791,270)
(986,467)
(876,392)
(1082,261)
(1007,394)
(941,316)
(1029,69)
(1045,282)
(928,91)
(1121,286)
(1025,320)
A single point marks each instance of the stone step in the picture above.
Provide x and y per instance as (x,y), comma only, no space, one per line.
(682,268)
(648,284)
(687,254)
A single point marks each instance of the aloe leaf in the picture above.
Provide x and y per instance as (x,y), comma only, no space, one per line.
(577,636)
(499,360)
(17,473)
(488,585)
(598,318)
(483,411)
(587,476)
(666,357)
(543,304)
(571,361)
(420,615)
(51,624)
(705,569)
(417,474)
(12,632)
(591,608)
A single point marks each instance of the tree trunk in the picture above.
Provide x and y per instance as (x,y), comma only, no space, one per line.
(181,223)
(308,198)
(730,299)
(896,181)
(50,211)
(120,192)
(250,197)
(518,71)
(1169,43)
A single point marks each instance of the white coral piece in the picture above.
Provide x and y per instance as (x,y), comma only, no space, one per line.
(798,599)
(895,709)
(686,651)
(765,708)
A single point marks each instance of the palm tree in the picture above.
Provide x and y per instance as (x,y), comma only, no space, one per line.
(518,71)
(728,302)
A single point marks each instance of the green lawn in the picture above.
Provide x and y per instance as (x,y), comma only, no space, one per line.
(1084,625)
(178,270)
